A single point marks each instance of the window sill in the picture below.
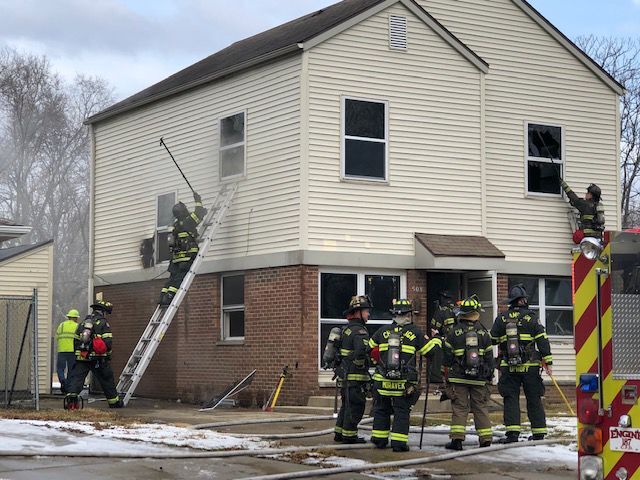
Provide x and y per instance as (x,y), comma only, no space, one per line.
(364,181)
(230,341)
(233,178)
(543,196)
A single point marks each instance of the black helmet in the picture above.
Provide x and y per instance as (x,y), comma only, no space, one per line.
(517,292)
(594,190)
(401,307)
(180,211)
(102,305)
(359,302)
(445,294)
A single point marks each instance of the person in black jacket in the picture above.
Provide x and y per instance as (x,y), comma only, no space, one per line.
(468,355)
(184,246)
(518,332)
(591,210)
(442,321)
(395,382)
(353,370)
(92,345)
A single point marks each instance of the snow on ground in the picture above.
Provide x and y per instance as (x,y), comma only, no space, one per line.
(37,435)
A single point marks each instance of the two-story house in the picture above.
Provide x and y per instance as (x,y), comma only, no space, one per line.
(386,147)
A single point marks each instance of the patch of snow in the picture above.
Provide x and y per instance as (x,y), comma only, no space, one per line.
(334,461)
(34,435)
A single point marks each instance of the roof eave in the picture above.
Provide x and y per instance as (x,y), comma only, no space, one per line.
(274,55)
(561,38)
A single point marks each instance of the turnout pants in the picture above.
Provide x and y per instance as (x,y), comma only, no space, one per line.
(103,373)
(177,272)
(351,411)
(467,398)
(400,407)
(509,387)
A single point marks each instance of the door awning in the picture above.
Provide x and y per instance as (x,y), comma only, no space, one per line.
(457,252)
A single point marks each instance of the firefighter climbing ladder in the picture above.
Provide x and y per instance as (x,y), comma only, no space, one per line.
(162,317)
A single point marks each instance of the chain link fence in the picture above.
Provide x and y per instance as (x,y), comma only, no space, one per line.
(18,352)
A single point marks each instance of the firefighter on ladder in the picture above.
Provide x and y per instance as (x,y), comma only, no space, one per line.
(395,382)
(468,356)
(591,210)
(184,246)
(442,321)
(353,370)
(92,345)
(518,332)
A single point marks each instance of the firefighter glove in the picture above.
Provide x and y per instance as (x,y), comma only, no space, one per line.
(99,347)
(197,197)
(375,354)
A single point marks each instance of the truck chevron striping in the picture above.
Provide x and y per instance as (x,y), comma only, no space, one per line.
(607,344)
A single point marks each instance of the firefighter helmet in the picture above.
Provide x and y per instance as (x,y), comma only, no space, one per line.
(470,308)
(516,293)
(102,305)
(445,294)
(401,307)
(73,313)
(180,211)
(359,302)
(595,191)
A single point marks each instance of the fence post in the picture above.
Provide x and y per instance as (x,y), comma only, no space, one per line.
(36,376)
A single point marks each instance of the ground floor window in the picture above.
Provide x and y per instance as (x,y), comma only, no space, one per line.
(232,307)
(551,296)
(337,288)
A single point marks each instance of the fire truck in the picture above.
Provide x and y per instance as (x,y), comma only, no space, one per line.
(606,318)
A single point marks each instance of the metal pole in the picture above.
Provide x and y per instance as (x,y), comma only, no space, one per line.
(36,376)
(174,161)
(6,355)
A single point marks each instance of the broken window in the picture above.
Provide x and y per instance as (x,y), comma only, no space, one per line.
(382,289)
(336,290)
(233,307)
(544,158)
(232,145)
(364,139)
(164,222)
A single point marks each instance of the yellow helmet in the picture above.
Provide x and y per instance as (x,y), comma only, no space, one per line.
(73,313)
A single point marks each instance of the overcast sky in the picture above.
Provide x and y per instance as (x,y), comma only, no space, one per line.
(135,43)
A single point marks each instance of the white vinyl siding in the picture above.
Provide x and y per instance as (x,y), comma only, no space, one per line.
(131,168)
(532,77)
(433,97)
(19,276)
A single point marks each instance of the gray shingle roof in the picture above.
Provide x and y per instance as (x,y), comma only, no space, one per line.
(7,253)
(459,246)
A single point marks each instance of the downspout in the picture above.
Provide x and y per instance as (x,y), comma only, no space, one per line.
(92,190)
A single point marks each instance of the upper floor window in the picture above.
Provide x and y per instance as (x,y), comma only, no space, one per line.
(364,139)
(164,219)
(544,158)
(232,151)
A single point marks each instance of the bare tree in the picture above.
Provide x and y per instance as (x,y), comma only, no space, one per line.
(621,58)
(44,162)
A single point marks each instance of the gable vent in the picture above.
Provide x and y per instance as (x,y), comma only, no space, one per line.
(398,32)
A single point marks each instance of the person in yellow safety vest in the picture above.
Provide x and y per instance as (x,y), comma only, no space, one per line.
(65,334)
(395,384)
(468,355)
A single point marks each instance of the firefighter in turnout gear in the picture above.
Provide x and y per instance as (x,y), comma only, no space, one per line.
(518,332)
(468,354)
(442,321)
(92,344)
(352,370)
(591,221)
(184,246)
(395,382)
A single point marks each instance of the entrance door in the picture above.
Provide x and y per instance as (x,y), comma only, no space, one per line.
(484,284)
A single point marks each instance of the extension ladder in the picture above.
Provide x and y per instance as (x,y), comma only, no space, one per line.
(162,317)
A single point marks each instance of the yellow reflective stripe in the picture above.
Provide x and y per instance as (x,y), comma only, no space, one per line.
(349,433)
(338,429)
(539,430)
(548,358)
(459,351)
(513,428)
(466,381)
(378,377)
(408,349)
(380,433)
(430,345)
(391,393)
(372,343)
(447,344)
(458,428)
(183,234)
(107,335)
(345,352)
(383,347)
(399,437)
(541,335)
(195,217)
(358,377)
(449,321)
(525,336)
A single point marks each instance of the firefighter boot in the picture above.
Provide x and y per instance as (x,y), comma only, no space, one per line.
(401,448)
(379,442)
(71,402)
(350,440)
(454,444)
(537,436)
(118,404)
(337,437)
(510,437)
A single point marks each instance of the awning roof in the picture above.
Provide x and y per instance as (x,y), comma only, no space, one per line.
(10,230)
(468,252)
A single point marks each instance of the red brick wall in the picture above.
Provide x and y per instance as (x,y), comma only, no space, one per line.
(192,363)
(503,292)
(417,293)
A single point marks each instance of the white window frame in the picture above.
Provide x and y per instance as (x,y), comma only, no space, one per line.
(528,158)
(542,306)
(360,290)
(228,147)
(164,229)
(344,138)
(229,308)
